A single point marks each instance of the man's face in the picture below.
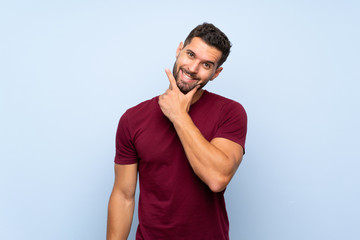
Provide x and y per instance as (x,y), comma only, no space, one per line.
(196,63)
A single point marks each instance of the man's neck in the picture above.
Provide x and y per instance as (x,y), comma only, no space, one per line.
(197,96)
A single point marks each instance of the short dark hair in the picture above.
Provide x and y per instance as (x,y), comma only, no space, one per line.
(213,37)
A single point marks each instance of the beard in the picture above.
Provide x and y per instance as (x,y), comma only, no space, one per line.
(185,87)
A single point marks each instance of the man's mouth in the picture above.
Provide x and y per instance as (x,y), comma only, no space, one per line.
(188,77)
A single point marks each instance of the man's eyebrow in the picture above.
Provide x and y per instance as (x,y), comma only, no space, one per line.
(209,62)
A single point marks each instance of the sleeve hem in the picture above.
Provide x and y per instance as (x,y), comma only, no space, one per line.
(233,139)
(124,161)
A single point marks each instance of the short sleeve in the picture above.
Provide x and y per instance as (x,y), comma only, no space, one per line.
(233,123)
(125,149)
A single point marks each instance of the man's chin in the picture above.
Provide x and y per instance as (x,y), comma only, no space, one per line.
(186,89)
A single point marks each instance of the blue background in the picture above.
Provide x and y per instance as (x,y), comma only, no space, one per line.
(69,70)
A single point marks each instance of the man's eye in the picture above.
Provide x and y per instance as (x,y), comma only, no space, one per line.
(206,65)
(190,54)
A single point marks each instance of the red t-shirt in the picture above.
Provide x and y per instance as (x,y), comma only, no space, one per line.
(174,203)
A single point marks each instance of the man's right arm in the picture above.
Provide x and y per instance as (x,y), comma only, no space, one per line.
(122,202)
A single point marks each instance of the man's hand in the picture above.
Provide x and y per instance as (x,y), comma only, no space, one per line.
(173,102)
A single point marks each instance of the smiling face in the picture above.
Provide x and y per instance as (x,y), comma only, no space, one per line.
(196,63)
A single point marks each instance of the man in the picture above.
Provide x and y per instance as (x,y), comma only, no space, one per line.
(186,146)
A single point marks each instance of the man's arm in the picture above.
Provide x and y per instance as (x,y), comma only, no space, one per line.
(215,162)
(122,202)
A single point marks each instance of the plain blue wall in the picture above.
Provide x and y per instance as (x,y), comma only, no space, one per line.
(69,69)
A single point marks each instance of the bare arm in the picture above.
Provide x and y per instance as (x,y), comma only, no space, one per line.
(215,162)
(122,202)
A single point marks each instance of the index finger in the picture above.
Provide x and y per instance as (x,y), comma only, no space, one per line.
(171,79)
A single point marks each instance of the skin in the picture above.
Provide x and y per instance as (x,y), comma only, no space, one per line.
(214,162)
(196,64)
(122,202)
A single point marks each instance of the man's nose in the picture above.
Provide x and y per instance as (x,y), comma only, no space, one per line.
(194,67)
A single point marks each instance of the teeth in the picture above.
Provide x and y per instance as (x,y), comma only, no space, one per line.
(187,76)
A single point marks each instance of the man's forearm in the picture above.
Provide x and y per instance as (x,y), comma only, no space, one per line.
(120,215)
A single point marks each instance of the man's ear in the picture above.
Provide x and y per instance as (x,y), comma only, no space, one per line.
(181,45)
(217,72)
